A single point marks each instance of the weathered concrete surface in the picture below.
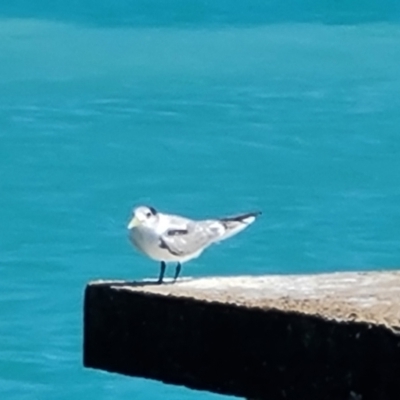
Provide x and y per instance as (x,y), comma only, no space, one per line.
(331,337)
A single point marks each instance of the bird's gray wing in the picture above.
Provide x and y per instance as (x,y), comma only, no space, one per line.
(194,237)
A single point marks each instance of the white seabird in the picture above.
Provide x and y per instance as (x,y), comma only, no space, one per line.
(172,238)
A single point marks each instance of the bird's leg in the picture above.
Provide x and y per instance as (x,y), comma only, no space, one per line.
(177,271)
(162,272)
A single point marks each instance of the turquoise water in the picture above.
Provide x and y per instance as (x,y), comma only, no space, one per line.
(196,108)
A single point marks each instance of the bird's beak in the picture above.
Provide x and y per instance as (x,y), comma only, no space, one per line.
(133,223)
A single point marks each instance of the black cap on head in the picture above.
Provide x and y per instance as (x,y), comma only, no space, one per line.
(153,210)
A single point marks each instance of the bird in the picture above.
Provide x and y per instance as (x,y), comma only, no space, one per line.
(176,239)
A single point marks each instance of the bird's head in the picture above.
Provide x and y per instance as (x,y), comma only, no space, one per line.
(143,215)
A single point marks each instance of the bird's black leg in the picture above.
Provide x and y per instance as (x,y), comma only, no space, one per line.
(162,272)
(177,271)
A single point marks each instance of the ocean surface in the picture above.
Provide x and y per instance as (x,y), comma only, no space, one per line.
(200,108)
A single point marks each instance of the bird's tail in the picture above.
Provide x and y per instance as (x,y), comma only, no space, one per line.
(235,224)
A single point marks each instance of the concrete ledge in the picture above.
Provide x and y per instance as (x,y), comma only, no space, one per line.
(312,337)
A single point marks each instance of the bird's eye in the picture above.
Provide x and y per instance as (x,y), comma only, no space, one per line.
(148,215)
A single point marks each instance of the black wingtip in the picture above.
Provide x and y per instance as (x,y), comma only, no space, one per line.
(241,217)
(254,214)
